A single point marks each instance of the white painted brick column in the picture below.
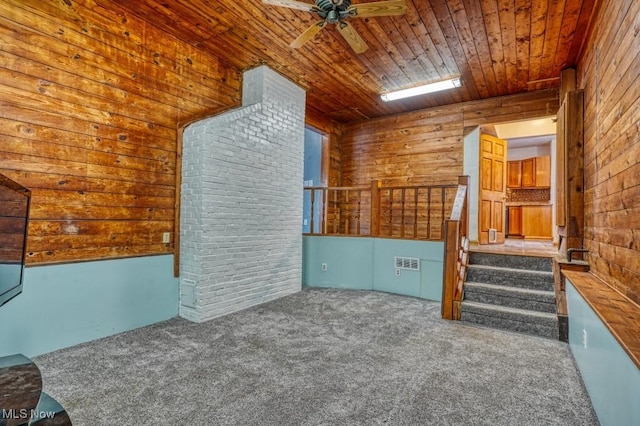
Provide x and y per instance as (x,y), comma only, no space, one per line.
(241,201)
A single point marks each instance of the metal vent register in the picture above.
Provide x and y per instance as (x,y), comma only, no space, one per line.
(410,263)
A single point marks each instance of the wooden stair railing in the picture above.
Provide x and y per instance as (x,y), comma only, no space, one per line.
(409,212)
(456,252)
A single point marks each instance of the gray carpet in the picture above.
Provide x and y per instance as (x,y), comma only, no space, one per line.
(331,357)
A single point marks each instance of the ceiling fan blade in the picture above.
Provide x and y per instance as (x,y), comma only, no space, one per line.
(379,8)
(308,34)
(353,38)
(291,4)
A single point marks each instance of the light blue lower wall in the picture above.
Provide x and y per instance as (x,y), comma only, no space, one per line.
(610,376)
(64,305)
(368,264)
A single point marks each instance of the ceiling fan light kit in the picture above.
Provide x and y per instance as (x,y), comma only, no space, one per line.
(336,12)
(422,90)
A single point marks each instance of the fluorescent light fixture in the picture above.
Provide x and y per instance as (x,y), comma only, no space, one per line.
(421,90)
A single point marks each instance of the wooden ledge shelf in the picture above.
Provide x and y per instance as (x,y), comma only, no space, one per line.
(619,314)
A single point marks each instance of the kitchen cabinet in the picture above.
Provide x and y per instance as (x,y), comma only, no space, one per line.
(514,174)
(530,173)
(515,221)
(543,172)
(536,221)
(530,221)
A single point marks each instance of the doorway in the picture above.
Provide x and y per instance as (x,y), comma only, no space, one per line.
(528,214)
(314,176)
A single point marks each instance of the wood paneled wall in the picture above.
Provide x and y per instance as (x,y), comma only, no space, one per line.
(609,72)
(90,103)
(425,147)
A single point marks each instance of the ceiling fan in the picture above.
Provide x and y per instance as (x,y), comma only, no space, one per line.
(336,12)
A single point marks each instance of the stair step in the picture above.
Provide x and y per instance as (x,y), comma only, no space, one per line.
(535,280)
(513,319)
(513,297)
(530,263)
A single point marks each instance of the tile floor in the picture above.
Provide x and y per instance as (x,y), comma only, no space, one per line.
(540,248)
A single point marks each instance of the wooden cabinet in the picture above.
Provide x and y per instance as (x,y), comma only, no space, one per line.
(514,177)
(530,222)
(536,221)
(543,172)
(530,173)
(515,221)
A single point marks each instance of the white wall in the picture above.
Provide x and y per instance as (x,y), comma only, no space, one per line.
(516,154)
(241,201)
(471,168)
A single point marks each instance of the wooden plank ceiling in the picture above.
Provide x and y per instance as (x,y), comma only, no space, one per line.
(498,47)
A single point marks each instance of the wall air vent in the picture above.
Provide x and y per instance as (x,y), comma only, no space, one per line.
(410,263)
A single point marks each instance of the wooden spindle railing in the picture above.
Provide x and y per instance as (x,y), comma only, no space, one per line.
(313,202)
(428,209)
(456,252)
(359,204)
(408,212)
(336,212)
(375,208)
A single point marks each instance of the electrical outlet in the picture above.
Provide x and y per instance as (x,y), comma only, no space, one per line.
(397,272)
(324,267)
(304,222)
(584,338)
(166,237)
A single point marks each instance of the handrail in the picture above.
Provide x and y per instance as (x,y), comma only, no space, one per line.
(408,212)
(456,252)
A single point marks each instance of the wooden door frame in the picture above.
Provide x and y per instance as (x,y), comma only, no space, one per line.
(554,166)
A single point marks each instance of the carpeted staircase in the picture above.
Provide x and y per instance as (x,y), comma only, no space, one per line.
(511,292)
